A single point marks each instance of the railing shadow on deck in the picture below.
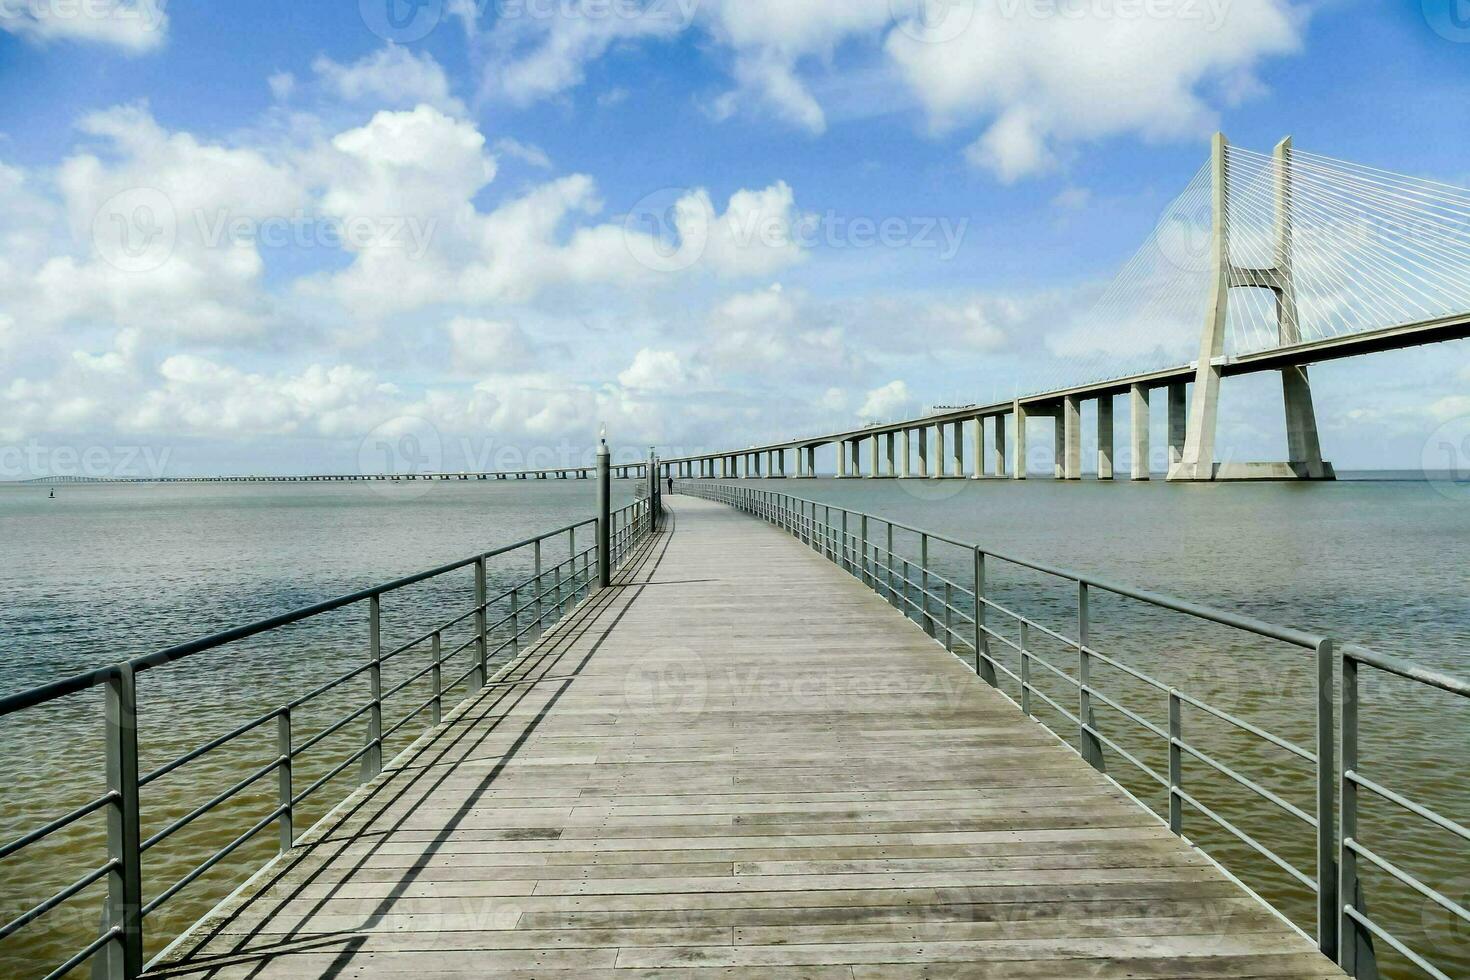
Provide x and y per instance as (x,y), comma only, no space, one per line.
(1007,650)
(498,624)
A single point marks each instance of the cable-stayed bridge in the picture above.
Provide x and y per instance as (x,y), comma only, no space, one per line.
(1266,262)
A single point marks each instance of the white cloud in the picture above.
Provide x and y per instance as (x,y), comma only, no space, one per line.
(1045,80)
(150,220)
(392,77)
(481,346)
(132,26)
(424,166)
(893,400)
(525,152)
(1072,199)
(655,370)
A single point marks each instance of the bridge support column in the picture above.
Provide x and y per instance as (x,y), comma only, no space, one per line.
(1177,423)
(892,439)
(940,465)
(841,448)
(979,447)
(904,461)
(1304,451)
(1105,437)
(923,453)
(1019,473)
(959,448)
(1139,416)
(855,447)
(998,448)
(875,458)
(1071,424)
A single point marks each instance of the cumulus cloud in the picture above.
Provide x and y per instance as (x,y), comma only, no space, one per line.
(479,346)
(130,26)
(1040,78)
(151,217)
(892,400)
(654,370)
(392,77)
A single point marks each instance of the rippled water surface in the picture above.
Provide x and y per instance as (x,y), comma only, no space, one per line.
(101,573)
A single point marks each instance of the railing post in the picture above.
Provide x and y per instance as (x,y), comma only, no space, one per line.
(949,617)
(436,680)
(572,564)
(1025,674)
(846,552)
(283,780)
(864,576)
(515,621)
(1327,895)
(1176,763)
(892,595)
(540,574)
(924,618)
(1088,742)
(372,760)
(124,830)
(983,664)
(604,518)
(1347,894)
(482,641)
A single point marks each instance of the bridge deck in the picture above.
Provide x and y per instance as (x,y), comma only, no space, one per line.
(742,763)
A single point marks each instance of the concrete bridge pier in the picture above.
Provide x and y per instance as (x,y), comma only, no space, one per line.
(1019,411)
(998,450)
(1072,437)
(978,447)
(923,459)
(1105,437)
(939,464)
(1139,415)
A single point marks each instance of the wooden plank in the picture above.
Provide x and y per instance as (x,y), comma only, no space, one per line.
(741,763)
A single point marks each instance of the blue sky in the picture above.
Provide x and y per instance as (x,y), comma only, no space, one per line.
(524,179)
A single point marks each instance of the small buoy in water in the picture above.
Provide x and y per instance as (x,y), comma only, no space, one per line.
(53,493)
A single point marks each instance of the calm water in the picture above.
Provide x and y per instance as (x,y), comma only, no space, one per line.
(105,572)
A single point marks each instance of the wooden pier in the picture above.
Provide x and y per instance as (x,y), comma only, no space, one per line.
(707,773)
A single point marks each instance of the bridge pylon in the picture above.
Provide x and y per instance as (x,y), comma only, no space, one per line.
(1304,449)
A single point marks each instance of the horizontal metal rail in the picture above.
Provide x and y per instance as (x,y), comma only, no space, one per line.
(532,604)
(863,544)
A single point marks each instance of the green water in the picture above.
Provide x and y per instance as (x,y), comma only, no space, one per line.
(101,573)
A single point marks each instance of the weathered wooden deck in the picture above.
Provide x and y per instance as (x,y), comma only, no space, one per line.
(740,763)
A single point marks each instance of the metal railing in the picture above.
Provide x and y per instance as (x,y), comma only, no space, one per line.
(529,606)
(968,621)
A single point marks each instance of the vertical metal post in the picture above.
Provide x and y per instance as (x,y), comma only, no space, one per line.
(540,611)
(984,666)
(124,831)
(1347,893)
(1025,674)
(515,621)
(1327,896)
(846,553)
(283,780)
(572,564)
(482,640)
(604,518)
(948,617)
(1176,763)
(1087,741)
(372,760)
(436,680)
(892,595)
(864,575)
(827,533)
(925,619)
